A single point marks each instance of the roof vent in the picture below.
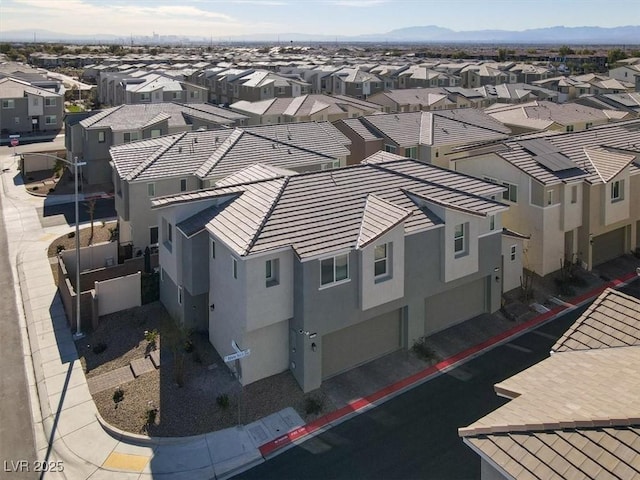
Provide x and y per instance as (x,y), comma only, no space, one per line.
(289,151)
(195,140)
(179,149)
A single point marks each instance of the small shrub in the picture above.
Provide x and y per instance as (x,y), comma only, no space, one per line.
(223,400)
(312,405)
(59,248)
(35,188)
(151,336)
(99,348)
(51,190)
(423,350)
(118,396)
(151,415)
(188,346)
(71,234)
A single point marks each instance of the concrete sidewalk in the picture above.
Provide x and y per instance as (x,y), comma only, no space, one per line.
(68,428)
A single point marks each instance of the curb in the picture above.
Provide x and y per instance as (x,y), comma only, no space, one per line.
(276,446)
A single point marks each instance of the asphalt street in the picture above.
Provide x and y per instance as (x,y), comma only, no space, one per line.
(414,436)
(16,428)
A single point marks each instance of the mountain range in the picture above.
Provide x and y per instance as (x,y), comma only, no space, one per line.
(423,34)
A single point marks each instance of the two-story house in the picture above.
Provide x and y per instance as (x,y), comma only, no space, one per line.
(305,108)
(425,136)
(323,271)
(188,161)
(27,108)
(90,139)
(575,194)
(413,100)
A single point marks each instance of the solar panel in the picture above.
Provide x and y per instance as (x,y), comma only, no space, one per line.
(548,155)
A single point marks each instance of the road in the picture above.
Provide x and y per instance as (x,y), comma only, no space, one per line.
(414,436)
(16,428)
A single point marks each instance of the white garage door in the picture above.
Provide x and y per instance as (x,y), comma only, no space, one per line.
(455,306)
(361,343)
(608,246)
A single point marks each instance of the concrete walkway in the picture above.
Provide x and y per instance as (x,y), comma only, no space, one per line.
(67,426)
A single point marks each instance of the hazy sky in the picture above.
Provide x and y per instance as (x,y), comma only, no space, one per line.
(332,17)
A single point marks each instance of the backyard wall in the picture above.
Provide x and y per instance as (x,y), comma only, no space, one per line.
(35,162)
(91,257)
(118,294)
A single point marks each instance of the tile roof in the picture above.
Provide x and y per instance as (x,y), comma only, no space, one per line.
(136,116)
(541,114)
(254,173)
(304,105)
(220,153)
(322,212)
(575,414)
(449,127)
(613,320)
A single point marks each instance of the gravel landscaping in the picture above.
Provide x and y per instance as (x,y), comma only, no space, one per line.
(101,233)
(207,397)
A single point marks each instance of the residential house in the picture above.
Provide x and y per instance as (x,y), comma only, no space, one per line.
(478,75)
(26,107)
(575,194)
(575,414)
(419,76)
(319,272)
(625,73)
(527,72)
(355,83)
(621,102)
(413,100)
(90,138)
(539,115)
(425,136)
(576,85)
(305,108)
(517,93)
(134,86)
(188,161)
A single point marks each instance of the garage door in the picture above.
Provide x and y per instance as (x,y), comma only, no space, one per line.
(361,343)
(455,306)
(608,246)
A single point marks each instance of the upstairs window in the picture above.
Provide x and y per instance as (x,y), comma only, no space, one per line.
(511,193)
(151,189)
(49,102)
(381,260)
(271,272)
(101,137)
(617,191)
(131,136)
(234,267)
(574,194)
(183,184)
(459,239)
(334,269)
(512,253)
(390,148)
(8,104)
(50,120)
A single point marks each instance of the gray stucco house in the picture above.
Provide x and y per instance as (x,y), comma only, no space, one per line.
(89,136)
(188,161)
(320,272)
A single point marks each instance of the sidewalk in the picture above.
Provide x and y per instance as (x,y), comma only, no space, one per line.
(69,429)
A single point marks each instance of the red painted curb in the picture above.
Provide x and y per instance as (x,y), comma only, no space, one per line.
(360,403)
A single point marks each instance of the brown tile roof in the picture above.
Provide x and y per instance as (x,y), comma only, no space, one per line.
(613,320)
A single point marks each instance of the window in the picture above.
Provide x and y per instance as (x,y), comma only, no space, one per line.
(180,295)
(334,269)
(50,102)
(8,103)
(167,234)
(574,194)
(176,95)
(153,235)
(569,128)
(131,136)
(411,152)
(511,193)
(101,137)
(50,120)
(151,189)
(145,96)
(459,239)
(156,133)
(271,272)
(162,274)
(492,222)
(389,148)
(512,255)
(550,197)
(617,191)
(380,256)
(183,184)
(213,248)
(588,125)
(235,267)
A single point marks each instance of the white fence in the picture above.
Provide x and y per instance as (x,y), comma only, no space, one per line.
(94,256)
(118,293)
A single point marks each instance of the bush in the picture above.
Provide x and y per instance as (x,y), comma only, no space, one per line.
(99,348)
(151,336)
(51,190)
(423,350)
(188,346)
(118,396)
(71,234)
(312,405)
(35,188)
(151,415)
(59,248)
(223,400)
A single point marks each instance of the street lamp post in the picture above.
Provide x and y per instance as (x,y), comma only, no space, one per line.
(78,333)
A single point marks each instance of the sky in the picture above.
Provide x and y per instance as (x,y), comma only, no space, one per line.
(222,18)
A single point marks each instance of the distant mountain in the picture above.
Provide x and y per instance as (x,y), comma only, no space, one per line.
(424,34)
